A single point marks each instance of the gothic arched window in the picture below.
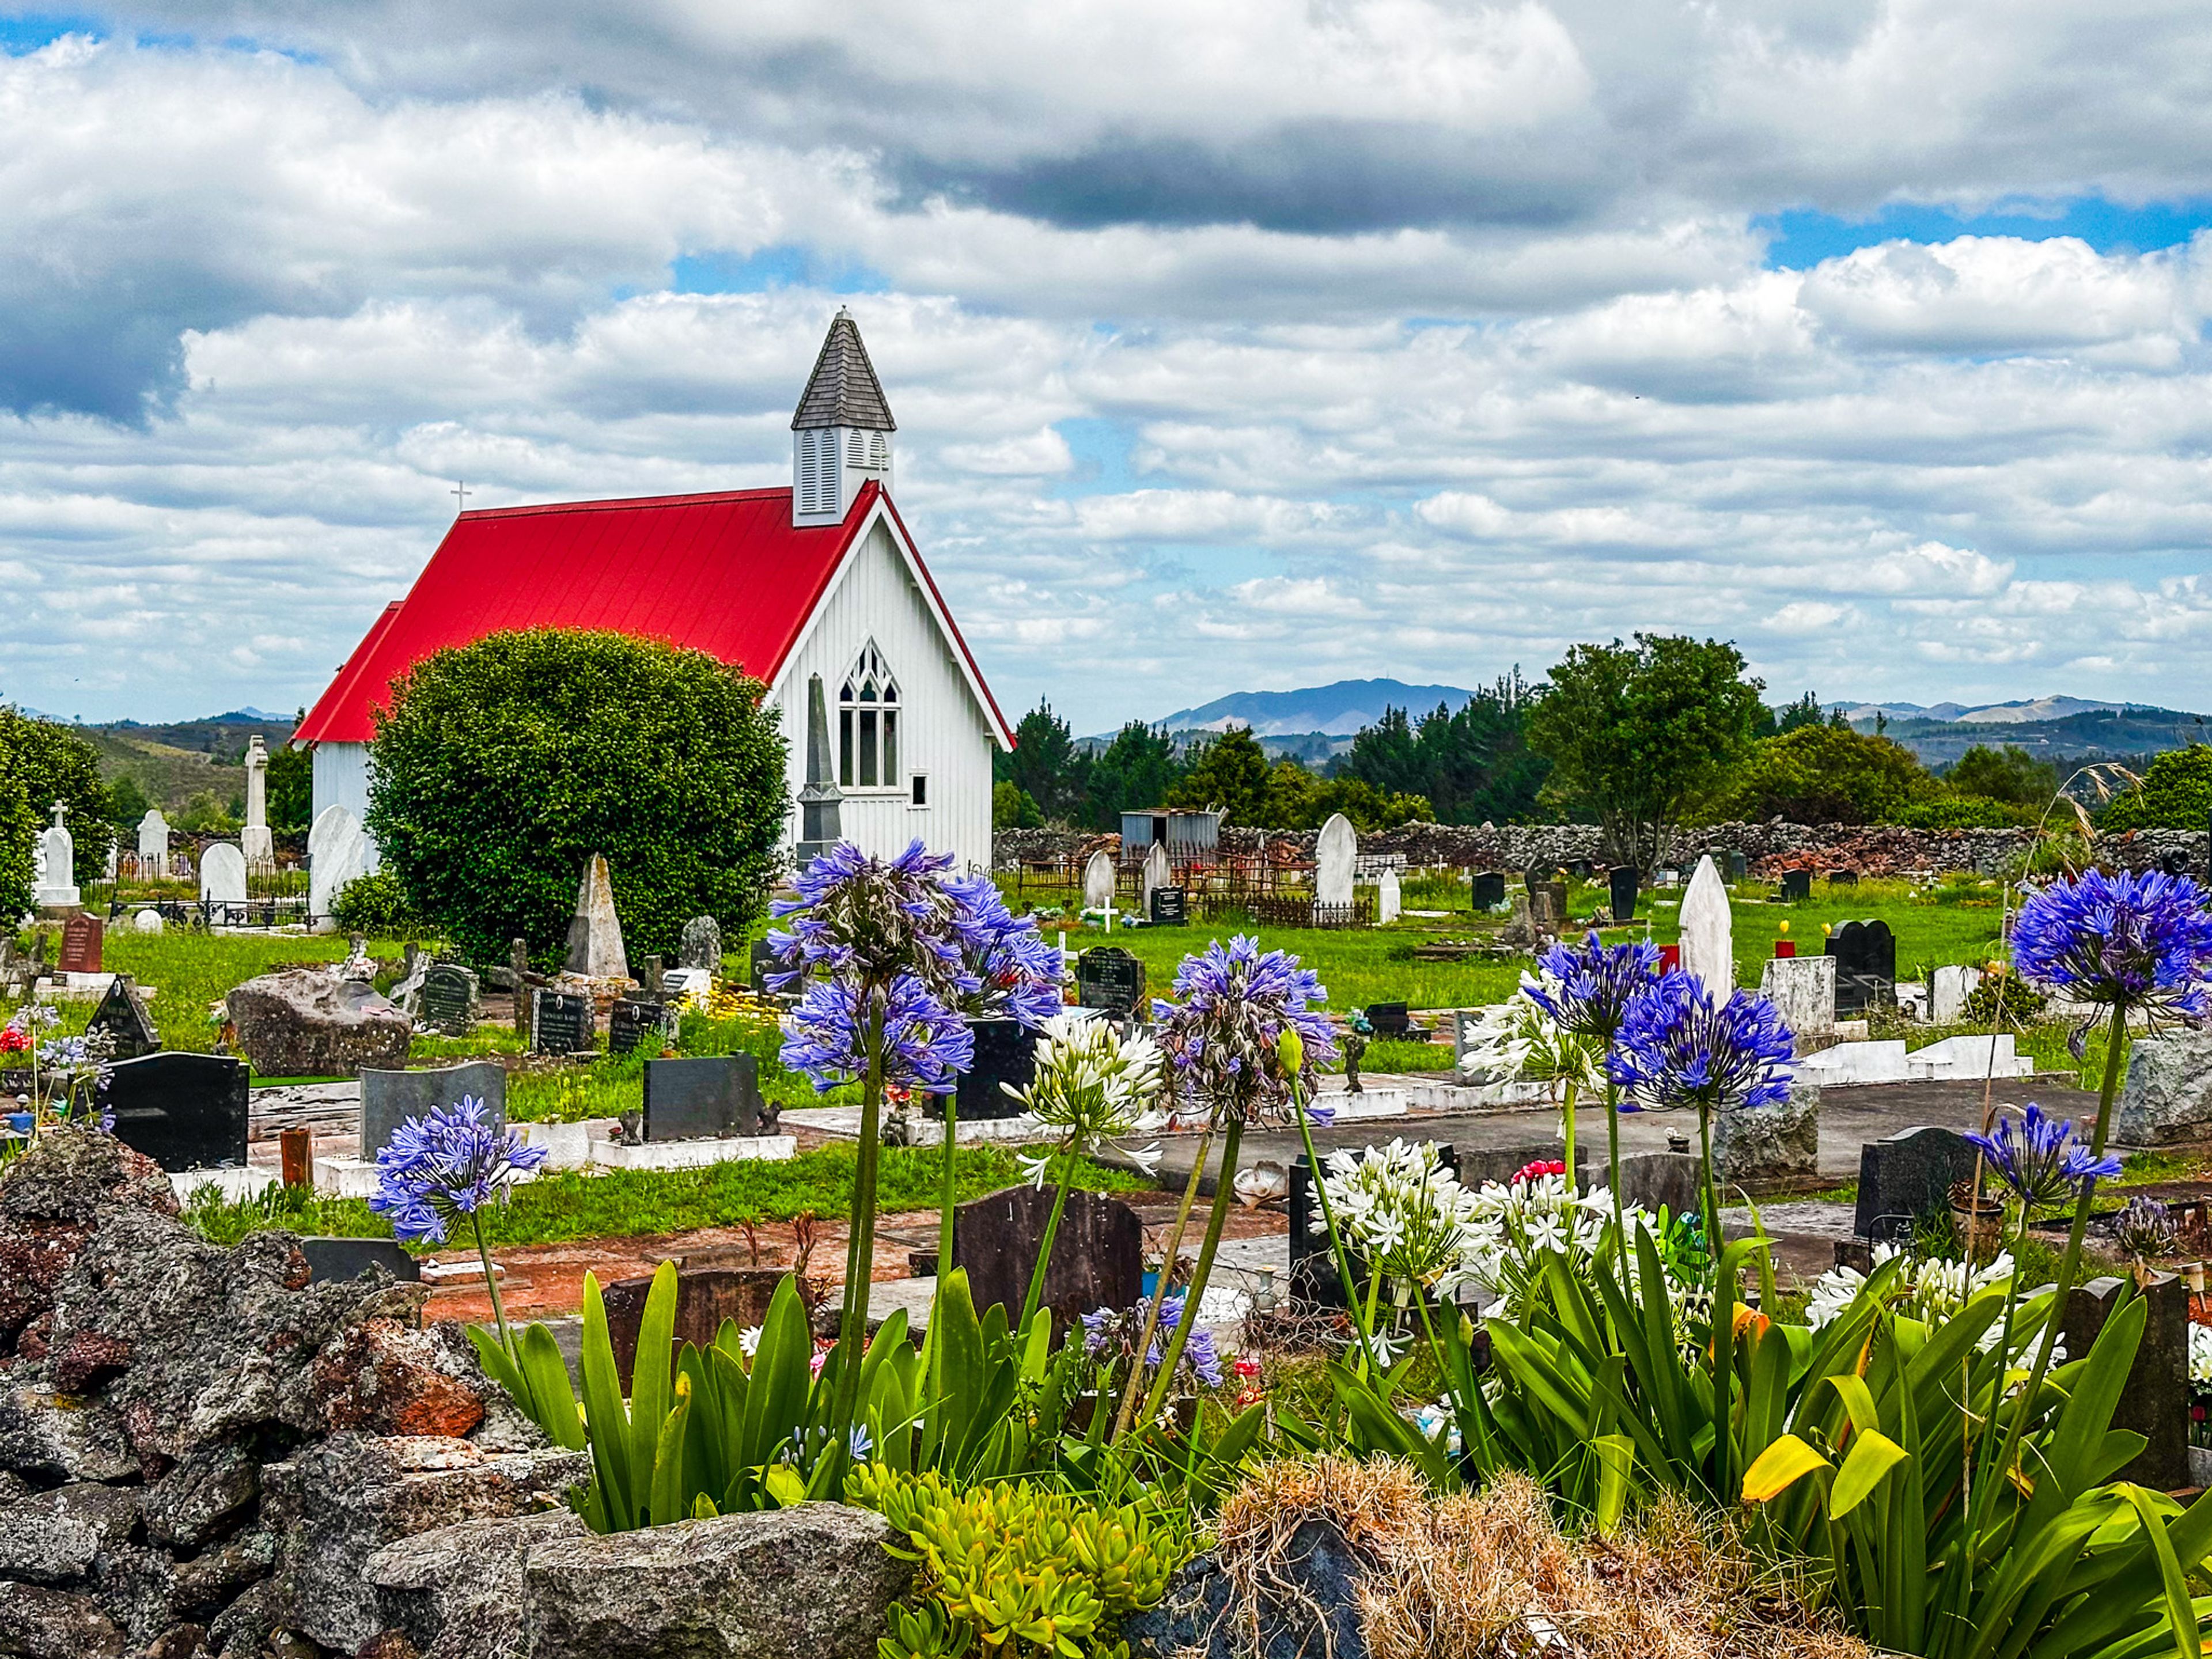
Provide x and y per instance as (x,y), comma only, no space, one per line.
(867,724)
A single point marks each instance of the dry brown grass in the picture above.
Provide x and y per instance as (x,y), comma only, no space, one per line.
(1489,1576)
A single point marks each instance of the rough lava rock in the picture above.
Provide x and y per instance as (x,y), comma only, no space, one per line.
(44,1623)
(47,1206)
(457,1593)
(813,1582)
(2168,1093)
(308,1022)
(54,1537)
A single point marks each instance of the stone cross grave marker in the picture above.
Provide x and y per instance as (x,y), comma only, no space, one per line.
(222,874)
(54,863)
(1111,980)
(701,945)
(449,999)
(1006,1052)
(1336,850)
(560,1023)
(389,1098)
(1099,881)
(123,1017)
(82,937)
(705,1099)
(1098,1256)
(1708,947)
(1620,891)
(595,940)
(185,1111)
(254,841)
(1866,966)
(1489,889)
(637,1019)
(1908,1176)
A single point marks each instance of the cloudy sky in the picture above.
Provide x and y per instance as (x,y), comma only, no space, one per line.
(1251,345)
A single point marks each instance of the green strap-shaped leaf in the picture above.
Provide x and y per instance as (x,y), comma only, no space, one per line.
(649,1371)
(1873,1455)
(607,1418)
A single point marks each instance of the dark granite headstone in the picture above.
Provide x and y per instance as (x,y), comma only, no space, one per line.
(448,998)
(80,944)
(1622,897)
(633,1020)
(388,1099)
(1169,907)
(1843,877)
(1006,1052)
(1097,1257)
(560,1023)
(1738,866)
(1111,980)
(183,1111)
(340,1259)
(124,1020)
(1866,966)
(1796,886)
(2155,1403)
(763,962)
(1908,1176)
(705,1296)
(1390,1019)
(704,1099)
(2173,864)
(1489,889)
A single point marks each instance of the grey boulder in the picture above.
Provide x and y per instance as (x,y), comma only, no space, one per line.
(44,1623)
(457,1593)
(2168,1093)
(304,1022)
(813,1582)
(1767,1144)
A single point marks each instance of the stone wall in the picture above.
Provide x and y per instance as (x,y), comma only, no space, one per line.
(1771,847)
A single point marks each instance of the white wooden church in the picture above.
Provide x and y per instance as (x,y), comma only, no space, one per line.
(819,581)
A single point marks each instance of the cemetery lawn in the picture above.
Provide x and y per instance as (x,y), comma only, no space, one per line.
(189,971)
(627,1203)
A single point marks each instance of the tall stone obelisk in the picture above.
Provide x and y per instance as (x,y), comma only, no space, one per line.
(818,800)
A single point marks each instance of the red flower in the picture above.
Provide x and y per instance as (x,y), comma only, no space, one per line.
(13,1042)
(1241,1366)
(1539,1169)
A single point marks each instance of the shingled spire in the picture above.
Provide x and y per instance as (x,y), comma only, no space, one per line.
(841,434)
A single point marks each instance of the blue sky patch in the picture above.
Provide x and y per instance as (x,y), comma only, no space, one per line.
(1802,238)
(786,265)
(28,32)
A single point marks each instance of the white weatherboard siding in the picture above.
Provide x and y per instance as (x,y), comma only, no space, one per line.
(945,731)
(342,779)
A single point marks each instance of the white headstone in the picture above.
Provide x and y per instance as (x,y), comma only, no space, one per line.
(146,921)
(154,844)
(1157,873)
(254,840)
(1803,991)
(337,852)
(1099,881)
(1947,995)
(222,874)
(1708,946)
(1388,902)
(1335,851)
(54,864)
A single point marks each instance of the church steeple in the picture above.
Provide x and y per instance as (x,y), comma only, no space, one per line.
(841,432)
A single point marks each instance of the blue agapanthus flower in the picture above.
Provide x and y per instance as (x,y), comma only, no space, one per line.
(1592,984)
(1223,1037)
(2139,939)
(1006,965)
(2042,1158)
(926,1044)
(1677,1046)
(453,1162)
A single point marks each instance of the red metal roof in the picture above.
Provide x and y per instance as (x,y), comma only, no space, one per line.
(723,573)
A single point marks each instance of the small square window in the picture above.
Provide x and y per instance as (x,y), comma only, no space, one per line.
(921,789)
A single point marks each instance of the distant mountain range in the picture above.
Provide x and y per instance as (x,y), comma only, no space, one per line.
(1988,713)
(1338,710)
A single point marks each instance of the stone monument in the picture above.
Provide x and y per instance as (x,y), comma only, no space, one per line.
(1099,881)
(820,800)
(153,846)
(1157,873)
(1388,900)
(222,874)
(1803,991)
(1708,946)
(54,879)
(595,940)
(338,852)
(254,841)
(700,945)
(1335,851)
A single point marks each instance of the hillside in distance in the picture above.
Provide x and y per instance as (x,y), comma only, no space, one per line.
(1336,711)
(2090,731)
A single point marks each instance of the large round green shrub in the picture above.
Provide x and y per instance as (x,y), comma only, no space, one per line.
(2175,793)
(502,767)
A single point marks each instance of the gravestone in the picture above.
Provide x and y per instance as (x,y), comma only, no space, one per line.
(54,865)
(1157,872)
(82,939)
(334,1260)
(1762,1145)
(1111,980)
(389,1098)
(1657,1179)
(1803,991)
(1099,881)
(1621,896)
(1098,1255)
(762,965)
(1390,901)
(1843,877)
(338,852)
(1390,1019)
(517,974)
(560,1023)
(1006,1052)
(222,874)
(2154,1400)
(309,1022)
(705,1099)
(705,1297)
(1520,930)
(1489,890)
(120,1015)
(254,841)
(1708,947)
(1796,886)
(448,998)
(595,940)
(153,846)
(1171,907)
(1948,993)
(183,1111)
(1738,866)
(1547,907)
(1866,967)
(1336,850)
(146,921)
(2169,1092)
(701,945)
(1908,1176)
(636,1019)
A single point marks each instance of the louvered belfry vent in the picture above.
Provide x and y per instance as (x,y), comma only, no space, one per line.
(840,432)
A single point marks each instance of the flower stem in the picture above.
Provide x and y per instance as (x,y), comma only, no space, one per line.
(861,1244)
(1123,1418)
(1723,1311)
(1335,1239)
(1195,1298)
(1044,1253)
(948,1185)
(491,1283)
(1567,1135)
(1613,1166)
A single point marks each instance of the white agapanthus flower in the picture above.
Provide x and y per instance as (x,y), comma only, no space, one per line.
(1516,1226)
(1516,1042)
(1093,1085)
(2200,1360)
(1406,1213)
(1930,1289)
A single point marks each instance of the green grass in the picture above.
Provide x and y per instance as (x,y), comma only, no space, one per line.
(1934,927)
(628,1203)
(188,971)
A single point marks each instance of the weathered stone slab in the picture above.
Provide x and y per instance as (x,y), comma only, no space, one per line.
(1764,1144)
(306,1022)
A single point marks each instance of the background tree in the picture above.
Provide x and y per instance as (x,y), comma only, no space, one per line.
(1806,711)
(2175,793)
(1012,808)
(1820,774)
(1230,773)
(53,763)
(502,766)
(291,785)
(1634,733)
(1137,768)
(1472,764)
(2010,775)
(127,803)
